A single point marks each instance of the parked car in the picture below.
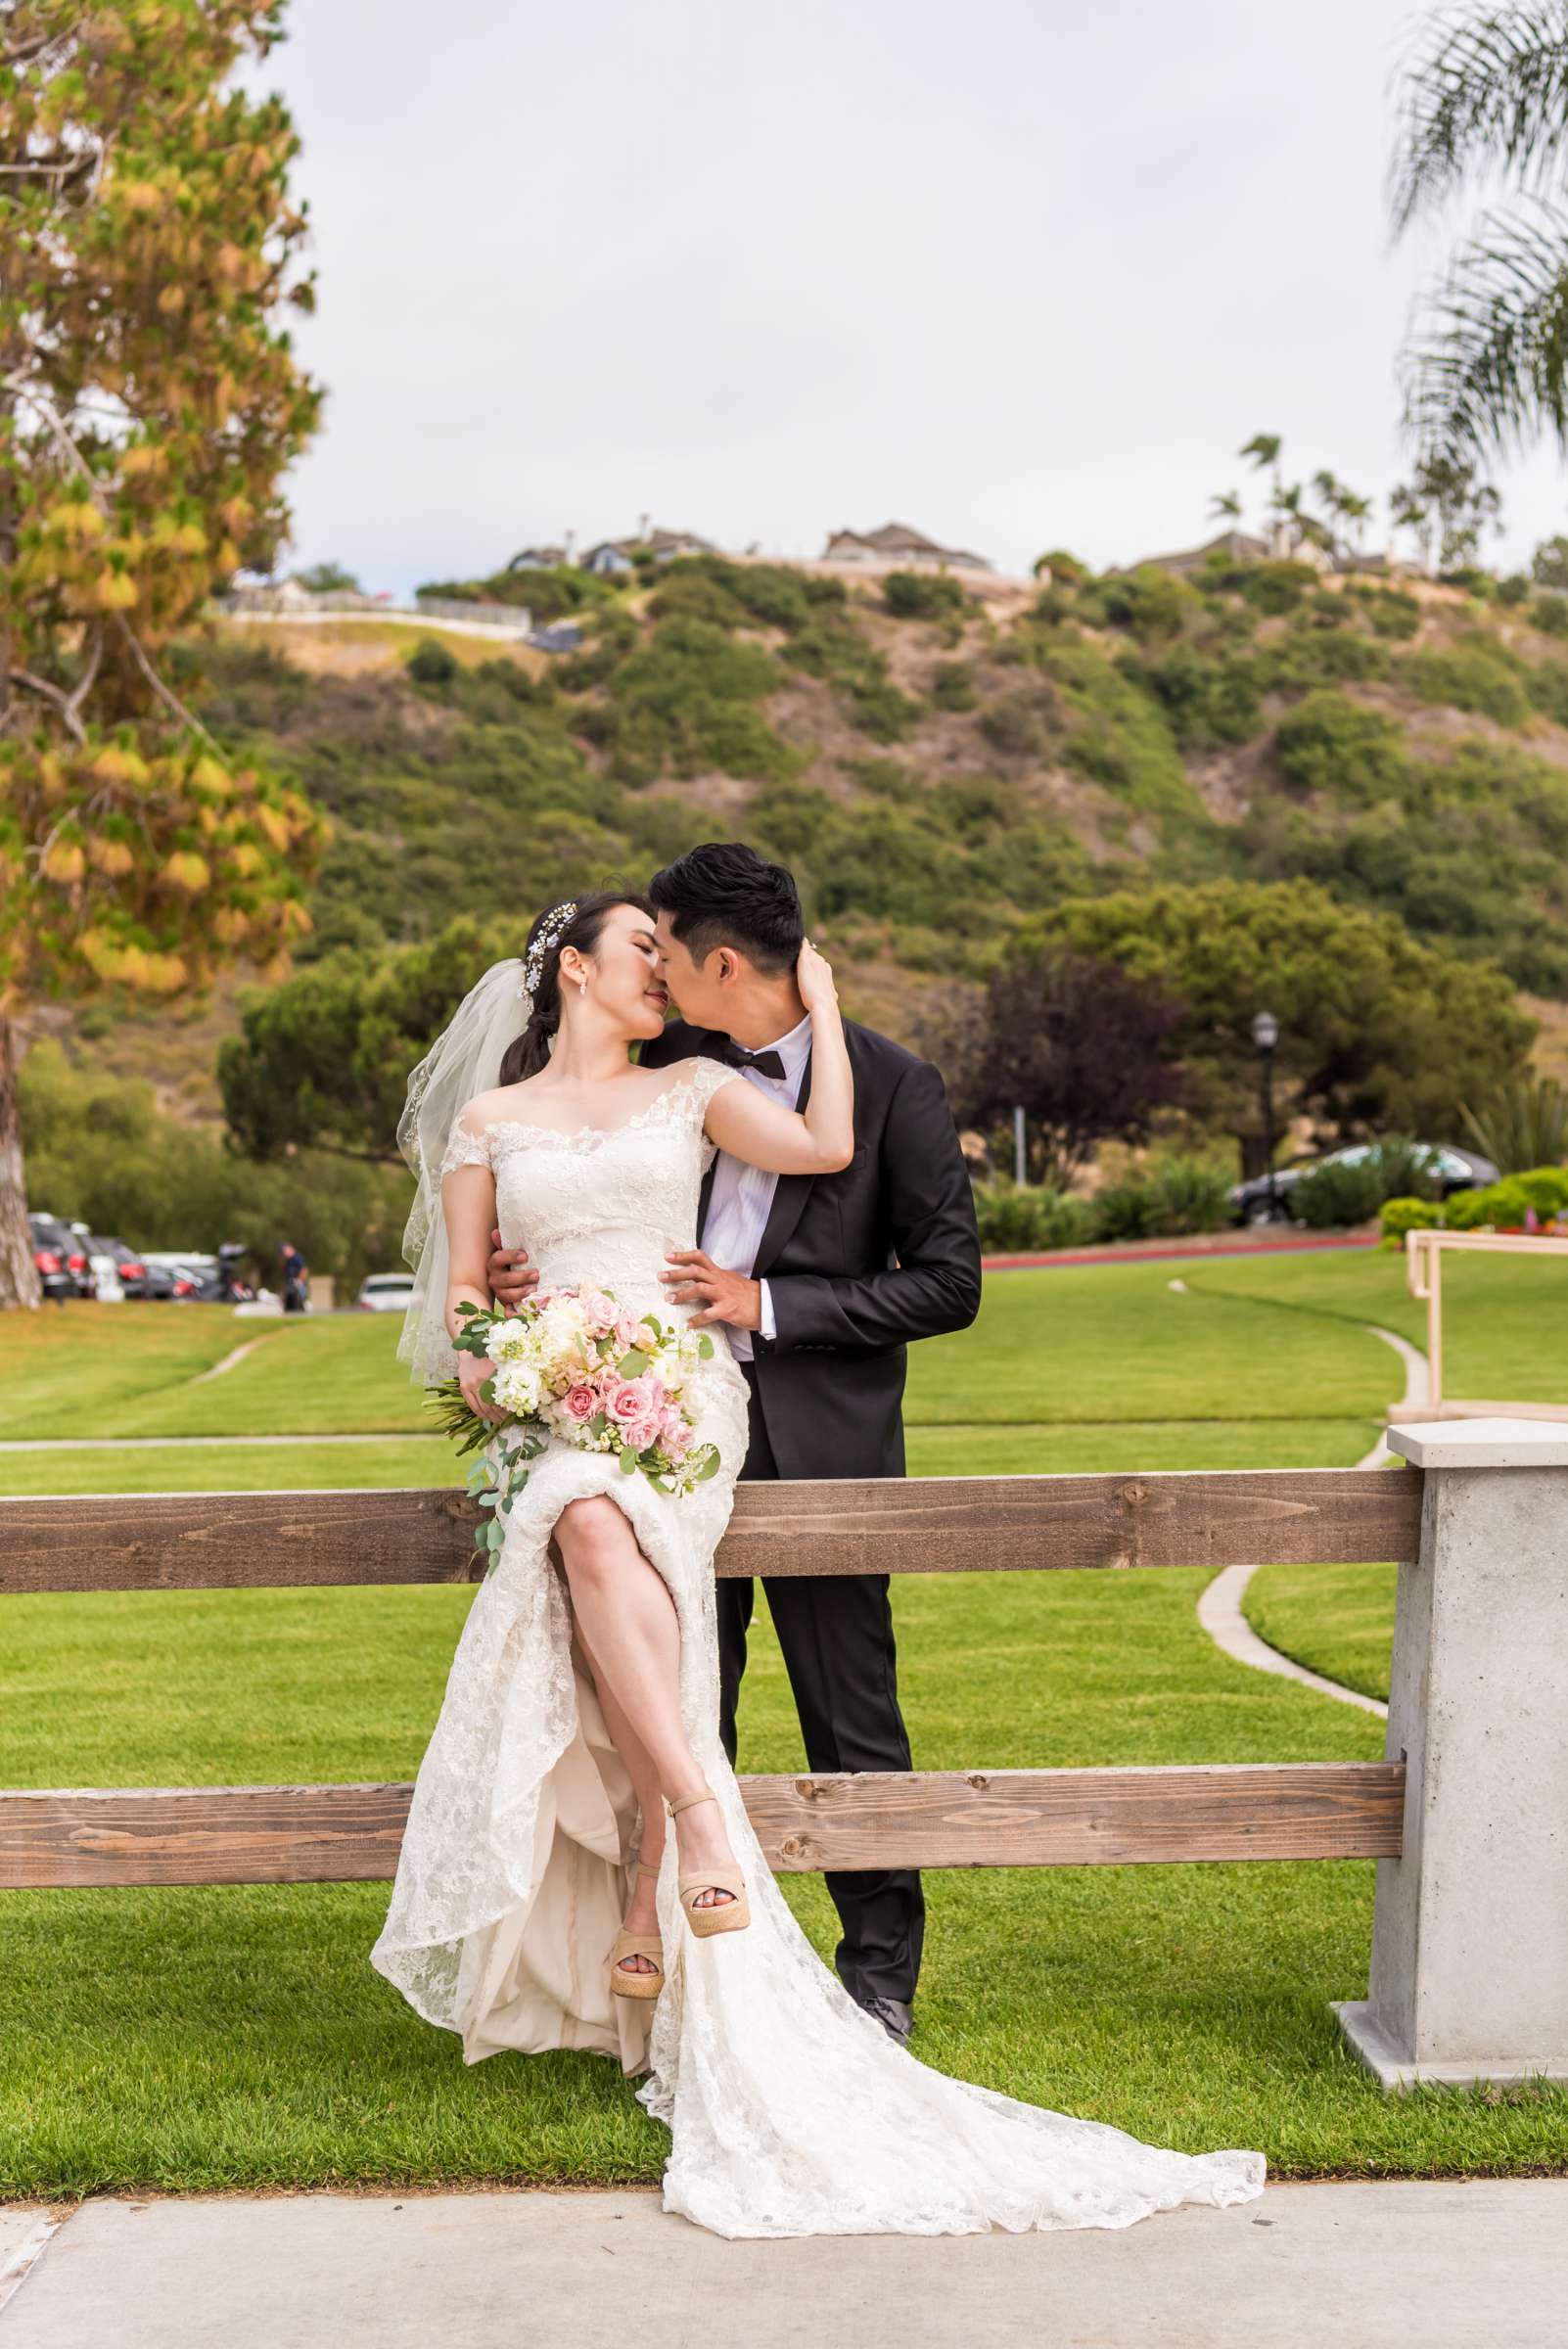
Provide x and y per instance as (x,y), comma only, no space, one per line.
(197,1278)
(1452,1170)
(176,1273)
(60,1258)
(128,1269)
(386,1293)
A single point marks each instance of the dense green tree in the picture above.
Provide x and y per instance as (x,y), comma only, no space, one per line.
(322,1061)
(149,406)
(1374,1028)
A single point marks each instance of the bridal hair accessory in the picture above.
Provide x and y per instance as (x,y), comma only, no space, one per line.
(552,930)
(464,1060)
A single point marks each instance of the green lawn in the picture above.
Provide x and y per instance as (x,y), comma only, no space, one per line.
(1504,1316)
(1337,1620)
(236,2036)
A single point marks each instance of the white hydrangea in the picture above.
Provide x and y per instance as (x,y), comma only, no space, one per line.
(511,1342)
(517,1387)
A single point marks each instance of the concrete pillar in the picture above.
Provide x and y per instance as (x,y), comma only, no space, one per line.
(1469,1976)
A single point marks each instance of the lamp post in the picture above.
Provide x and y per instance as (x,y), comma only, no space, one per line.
(1265,1036)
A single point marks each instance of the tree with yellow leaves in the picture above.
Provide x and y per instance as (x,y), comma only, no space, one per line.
(150,403)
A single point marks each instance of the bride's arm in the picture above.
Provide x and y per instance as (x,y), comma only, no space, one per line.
(818,1140)
(468,1204)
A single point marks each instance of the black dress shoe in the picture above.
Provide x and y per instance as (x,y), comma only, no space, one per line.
(895,2018)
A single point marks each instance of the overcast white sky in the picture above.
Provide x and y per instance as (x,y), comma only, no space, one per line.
(1023,273)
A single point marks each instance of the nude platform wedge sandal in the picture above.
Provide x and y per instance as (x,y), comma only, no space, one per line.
(727,1917)
(629,1982)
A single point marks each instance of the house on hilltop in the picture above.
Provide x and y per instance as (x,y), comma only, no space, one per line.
(896,547)
(615,558)
(1234,546)
(539,558)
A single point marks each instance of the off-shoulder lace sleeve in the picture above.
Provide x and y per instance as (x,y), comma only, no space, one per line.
(468,1145)
(708,1077)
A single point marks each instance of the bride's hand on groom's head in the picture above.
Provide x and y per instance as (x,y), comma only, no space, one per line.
(814,976)
(512,1277)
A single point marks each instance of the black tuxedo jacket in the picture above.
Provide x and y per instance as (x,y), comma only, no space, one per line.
(857,1263)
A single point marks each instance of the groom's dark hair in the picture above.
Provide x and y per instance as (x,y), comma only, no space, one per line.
(725,894)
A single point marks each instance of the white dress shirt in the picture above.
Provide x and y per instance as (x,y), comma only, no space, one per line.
(742,1196)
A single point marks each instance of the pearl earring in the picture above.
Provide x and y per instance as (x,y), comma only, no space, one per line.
(582,987)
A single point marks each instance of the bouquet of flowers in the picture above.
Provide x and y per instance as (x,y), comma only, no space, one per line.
(577,1365)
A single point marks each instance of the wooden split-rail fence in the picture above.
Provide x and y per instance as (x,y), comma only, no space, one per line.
(1465,1815)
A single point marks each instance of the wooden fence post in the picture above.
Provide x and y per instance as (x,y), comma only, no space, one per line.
(1470,1974)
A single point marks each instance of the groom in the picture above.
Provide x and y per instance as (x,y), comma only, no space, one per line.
(821,1281)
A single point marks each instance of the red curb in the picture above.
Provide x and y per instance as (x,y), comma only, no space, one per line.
(1196,1245)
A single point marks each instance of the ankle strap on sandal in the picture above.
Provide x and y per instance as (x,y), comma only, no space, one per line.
(684,1801)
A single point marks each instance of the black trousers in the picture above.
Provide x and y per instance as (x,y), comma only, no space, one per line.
(836,1632)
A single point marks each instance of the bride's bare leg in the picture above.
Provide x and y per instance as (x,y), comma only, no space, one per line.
(626,1622)
(641,1913)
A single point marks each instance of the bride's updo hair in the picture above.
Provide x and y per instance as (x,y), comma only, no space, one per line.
(531,1050)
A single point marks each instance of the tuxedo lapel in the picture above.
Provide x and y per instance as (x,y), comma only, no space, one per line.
(790,1194)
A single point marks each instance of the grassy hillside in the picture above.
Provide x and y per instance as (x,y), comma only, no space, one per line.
(935,768)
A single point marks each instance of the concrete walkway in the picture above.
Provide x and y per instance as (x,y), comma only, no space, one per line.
(1445,2266)
(1220,1607)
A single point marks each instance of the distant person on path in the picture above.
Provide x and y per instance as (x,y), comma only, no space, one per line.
(296,1279)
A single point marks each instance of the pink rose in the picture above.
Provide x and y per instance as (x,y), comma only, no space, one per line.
(640,1434)
(628,1332)
(599,1310)
(628,1402)
(580,1403)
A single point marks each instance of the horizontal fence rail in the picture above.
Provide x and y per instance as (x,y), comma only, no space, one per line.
(922,1818)
(922,1525)
(918,1819)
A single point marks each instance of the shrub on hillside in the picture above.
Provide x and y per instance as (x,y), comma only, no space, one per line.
(1467,679)
(951,687)
(1147,602)
(880,709)
(1309,654)
(1121,738)
(1207,702)
(1013,727)
(923,595)
(430,663)
(1549,614)
(1390,611)
(1333,746)
(1273,588)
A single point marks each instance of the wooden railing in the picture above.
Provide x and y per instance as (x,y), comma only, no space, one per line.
(1465,1815)
(1424,1251)
(925,1819)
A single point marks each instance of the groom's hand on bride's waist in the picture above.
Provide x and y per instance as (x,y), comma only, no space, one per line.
(693,1278)
(512,1277)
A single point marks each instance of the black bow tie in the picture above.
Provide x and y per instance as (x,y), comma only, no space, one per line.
(767,1063)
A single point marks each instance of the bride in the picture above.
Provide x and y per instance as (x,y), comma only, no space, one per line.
(578,1870)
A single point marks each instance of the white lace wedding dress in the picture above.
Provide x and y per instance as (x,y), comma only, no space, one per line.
(789,2111)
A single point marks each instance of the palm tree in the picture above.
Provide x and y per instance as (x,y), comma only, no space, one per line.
(1483,96)
(1294,524)
(1225,506)
(1357,512)
(1264,449)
